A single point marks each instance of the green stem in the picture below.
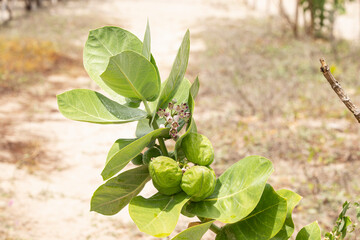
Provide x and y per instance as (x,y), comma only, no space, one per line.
(147,108)
(215,228)
(155,125)
(161,141)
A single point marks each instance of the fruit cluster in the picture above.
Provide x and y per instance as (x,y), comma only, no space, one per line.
(193,175)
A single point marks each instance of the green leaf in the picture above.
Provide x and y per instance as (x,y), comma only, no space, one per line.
(116,193)
(182,94)
(262,223)
(119,157)
(144,128)
(117,146)
(131,75)
(157,215)
(195,87)
(90,106)
(309,232)
(146,49)
(292,200)
(177,73)
(103,43)
(194,233)
(237,192)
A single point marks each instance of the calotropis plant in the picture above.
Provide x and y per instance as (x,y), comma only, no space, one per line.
(241,199)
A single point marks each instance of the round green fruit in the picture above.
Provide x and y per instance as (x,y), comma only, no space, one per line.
(149,154)
(165,172)
(198,182)
(167,190)
(198,149)
(138,160)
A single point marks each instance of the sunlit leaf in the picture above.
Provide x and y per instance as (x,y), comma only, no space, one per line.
(131,75)
(103,43)
(146,49)
(292,200)
(157,215)
(194,233)
(177,73)
(262,223)
(237,192)
(116,193)
(118,159)
(90,106)
(309,232)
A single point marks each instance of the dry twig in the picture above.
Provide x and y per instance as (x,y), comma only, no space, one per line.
(338,89)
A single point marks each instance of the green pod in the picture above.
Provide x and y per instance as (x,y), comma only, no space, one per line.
(198,149)
(167,190)
(165,172)
(149,154)
(138,160)
(198,182)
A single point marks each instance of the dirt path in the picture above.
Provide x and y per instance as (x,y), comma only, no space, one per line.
(53,203)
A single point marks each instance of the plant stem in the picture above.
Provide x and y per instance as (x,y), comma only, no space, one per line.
(339,90)
(147,108)
(161,141)
(155,125)
(214,228)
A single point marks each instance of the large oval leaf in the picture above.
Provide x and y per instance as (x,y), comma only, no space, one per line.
(121,156)
(237,192)
(262,223)
(90,106)
(292,200)
(103,43)
(131,75)
(158,214)
(194,233)
(309,232)
(116,193)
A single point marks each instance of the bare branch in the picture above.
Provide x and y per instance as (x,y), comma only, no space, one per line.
(338,89)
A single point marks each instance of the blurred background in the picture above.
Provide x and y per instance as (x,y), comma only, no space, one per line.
(261,93)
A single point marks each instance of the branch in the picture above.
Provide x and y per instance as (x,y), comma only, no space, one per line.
(338,89)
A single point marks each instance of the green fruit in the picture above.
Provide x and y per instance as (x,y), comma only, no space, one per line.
(138,160)
(198,182)
(167,190)
(165,172)
(198,149)
(149,154)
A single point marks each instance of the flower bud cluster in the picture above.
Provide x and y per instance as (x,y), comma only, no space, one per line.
(172,115)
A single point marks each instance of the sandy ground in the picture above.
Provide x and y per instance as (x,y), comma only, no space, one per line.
(53,203)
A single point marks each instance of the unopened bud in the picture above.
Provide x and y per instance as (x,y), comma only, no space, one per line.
(176,118)
(162,126)
(169,119)
(177,108)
